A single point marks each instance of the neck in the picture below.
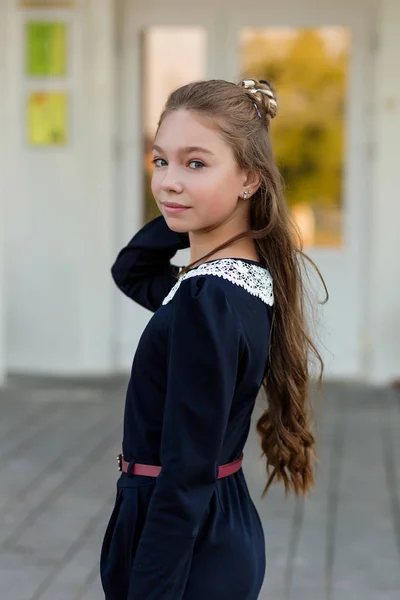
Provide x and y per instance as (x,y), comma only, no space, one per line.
(203,241)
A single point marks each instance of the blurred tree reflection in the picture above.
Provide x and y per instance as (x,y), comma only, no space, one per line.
(309,70)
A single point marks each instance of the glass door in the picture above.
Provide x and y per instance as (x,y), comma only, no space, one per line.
(318,62)
(163,71)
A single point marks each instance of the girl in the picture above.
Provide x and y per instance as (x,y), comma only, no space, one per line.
(184,525)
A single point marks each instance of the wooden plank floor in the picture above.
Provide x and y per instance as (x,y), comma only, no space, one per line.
(58,443)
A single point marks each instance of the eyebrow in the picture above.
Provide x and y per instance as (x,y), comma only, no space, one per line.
(186,149)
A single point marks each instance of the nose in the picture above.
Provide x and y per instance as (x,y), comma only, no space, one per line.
(170,181)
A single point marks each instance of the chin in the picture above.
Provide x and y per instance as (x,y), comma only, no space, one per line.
(176,224)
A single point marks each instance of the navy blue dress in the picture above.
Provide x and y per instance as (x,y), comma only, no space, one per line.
(198,367)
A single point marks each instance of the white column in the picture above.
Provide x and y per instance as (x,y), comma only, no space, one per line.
(98,176)
(384,288)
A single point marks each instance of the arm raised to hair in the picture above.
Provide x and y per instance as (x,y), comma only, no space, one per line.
(143,270)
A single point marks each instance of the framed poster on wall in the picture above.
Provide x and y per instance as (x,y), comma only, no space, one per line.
(46,48)
(47,118)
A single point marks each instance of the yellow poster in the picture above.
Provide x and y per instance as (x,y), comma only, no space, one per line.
(46,52)
(47,118)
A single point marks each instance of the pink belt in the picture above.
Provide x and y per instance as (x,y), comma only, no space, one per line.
(154,470)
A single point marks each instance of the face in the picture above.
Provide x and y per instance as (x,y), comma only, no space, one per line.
(205,181)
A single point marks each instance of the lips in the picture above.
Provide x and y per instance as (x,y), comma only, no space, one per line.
(174,205)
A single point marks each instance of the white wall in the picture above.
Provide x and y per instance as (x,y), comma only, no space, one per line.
(384,289)
(60,207)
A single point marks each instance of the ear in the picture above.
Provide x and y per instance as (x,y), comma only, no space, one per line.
(252,181)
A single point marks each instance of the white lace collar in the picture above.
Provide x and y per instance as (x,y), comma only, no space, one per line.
(254,278)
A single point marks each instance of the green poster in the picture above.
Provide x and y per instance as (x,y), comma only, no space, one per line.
(46,48)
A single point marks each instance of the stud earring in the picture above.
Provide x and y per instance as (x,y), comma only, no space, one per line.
(245,195)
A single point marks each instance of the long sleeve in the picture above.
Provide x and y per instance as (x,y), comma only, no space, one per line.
(143,270)
(205,343)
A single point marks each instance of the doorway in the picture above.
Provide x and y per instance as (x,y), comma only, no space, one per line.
(319,63)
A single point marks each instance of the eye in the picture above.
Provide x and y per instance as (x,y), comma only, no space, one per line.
(154,161)
(198,162)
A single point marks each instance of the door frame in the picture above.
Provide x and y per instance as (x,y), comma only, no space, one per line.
(132,18)
(344,356)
